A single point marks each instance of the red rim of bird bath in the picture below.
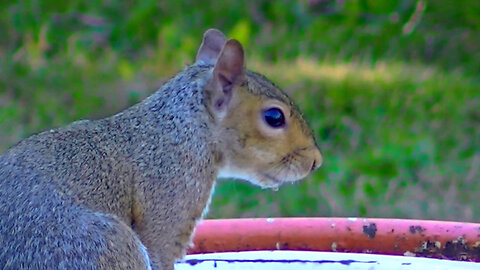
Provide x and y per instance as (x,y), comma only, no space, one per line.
(421,238)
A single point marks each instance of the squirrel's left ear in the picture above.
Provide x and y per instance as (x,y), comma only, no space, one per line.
(229,71)
(212,44)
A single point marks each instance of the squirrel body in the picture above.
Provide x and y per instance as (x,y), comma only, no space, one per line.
(126,192)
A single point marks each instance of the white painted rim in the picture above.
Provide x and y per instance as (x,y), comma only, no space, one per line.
(315,260)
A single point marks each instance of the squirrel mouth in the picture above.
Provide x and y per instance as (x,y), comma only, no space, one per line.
(275,181)
(270,181)
(291,172)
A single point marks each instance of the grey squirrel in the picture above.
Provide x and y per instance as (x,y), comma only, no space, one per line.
(126,192)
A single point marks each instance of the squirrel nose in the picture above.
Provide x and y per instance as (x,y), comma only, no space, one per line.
(317,159)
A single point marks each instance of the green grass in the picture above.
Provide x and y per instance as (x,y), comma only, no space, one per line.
(399,141)
(396,114)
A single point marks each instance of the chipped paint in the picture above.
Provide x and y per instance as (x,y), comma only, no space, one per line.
(457,249)
(416,229)
(370,230)
(334,246)
(409,254)
(434,239)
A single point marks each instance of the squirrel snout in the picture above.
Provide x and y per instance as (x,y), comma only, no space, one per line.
(317,160)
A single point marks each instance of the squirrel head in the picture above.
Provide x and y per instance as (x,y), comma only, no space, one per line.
(264,138)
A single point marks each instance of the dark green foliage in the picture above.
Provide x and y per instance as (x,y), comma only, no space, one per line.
(391,89)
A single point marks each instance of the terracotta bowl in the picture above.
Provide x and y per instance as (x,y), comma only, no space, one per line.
(420,238)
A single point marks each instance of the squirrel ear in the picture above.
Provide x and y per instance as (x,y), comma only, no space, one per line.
(212,44)
(228,72)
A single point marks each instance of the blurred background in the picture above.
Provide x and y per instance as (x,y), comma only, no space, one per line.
(391,89)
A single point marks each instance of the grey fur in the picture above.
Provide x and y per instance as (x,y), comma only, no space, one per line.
(95,194)
(56,188)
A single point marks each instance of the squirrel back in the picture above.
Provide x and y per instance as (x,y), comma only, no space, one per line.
(126,192)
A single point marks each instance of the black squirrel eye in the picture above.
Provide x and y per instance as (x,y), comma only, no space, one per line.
(274,117)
